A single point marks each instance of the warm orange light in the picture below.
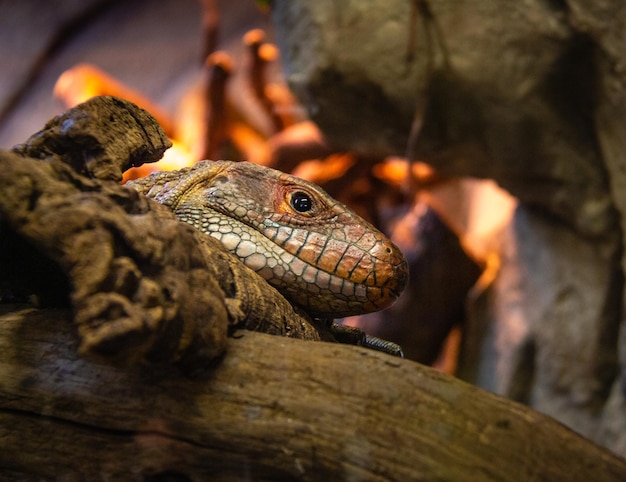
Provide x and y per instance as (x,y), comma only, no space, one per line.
(208,117)
(84,81)
(394,171)
(285,104)
(492,264)
(176,157)
(476,210)
(250,143)
(448,358)
(268,52)
(324,170)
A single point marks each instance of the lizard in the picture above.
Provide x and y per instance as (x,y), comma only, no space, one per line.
(314,250)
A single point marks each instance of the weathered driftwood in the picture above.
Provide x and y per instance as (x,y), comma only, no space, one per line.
(100,138)
(144,287)
(137,279)
(273,409)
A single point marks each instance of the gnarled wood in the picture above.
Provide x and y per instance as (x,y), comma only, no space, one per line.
(272,409)
(144,287)
(137,279)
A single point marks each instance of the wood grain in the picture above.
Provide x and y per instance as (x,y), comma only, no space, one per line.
(273,408)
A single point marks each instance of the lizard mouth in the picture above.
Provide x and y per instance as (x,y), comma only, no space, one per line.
(320,292)
(325,259)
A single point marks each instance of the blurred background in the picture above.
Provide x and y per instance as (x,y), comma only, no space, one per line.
(485,140)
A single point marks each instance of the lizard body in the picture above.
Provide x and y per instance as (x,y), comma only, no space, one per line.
(317,252)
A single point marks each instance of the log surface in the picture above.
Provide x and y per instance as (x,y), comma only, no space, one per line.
(274,408)
(137,278)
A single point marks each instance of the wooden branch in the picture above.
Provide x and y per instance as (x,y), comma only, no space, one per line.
(261,54)
(152,294)
(273,409)
(219,68)
(138,279)
(100,138)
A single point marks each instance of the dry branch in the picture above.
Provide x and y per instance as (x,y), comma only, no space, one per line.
(143,286)
(100,138)
(273,409)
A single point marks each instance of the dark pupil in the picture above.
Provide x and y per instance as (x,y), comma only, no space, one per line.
(301,202)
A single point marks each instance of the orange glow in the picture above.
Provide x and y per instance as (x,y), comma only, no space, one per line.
(300,133)
(476,210)
(285,104)
(250,143)
(268,52)
(236,121)
(448,358)
(322,171)
(394,171)
(490,271)
(84,81)
(176,157)
(189,121)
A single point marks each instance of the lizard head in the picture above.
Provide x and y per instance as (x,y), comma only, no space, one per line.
(316,251)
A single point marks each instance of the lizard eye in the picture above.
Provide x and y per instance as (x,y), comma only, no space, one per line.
(301,202)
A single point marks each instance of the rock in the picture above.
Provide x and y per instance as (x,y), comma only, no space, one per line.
(545,333)
(605,22)
(328,50)
(533,96)
(507,92)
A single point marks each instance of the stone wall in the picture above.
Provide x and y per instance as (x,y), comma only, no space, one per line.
(528,94)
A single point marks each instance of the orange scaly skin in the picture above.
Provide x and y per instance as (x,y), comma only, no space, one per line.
(314,250)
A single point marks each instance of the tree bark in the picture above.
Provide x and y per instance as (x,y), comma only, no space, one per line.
(150,296)
(137,279)
(272,409)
